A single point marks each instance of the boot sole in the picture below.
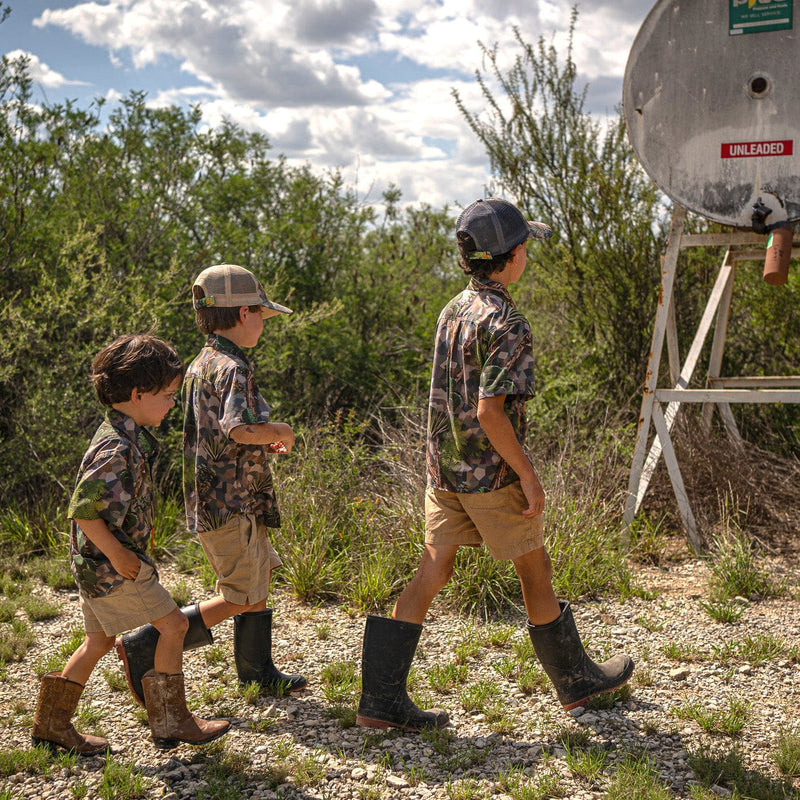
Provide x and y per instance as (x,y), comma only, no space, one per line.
(582,703)
(54,747)
(170,744)
(370,722)
(126,668)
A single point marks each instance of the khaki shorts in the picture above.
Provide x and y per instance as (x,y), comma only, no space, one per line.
(242,557)
(130,605)
(491,518)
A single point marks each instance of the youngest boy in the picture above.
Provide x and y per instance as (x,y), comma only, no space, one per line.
(112,513)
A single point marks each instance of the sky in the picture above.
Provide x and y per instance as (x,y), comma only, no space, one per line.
(360,86)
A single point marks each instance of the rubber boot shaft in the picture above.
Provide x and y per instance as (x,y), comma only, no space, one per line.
(137,650)
(386,656)
(170,720)
(252,649)
(52,726)
(574,675)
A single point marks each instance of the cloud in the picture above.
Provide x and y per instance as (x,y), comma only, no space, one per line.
(361,85)
(333,22)
(40,72)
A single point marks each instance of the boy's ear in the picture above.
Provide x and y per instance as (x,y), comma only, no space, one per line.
(243,311)
(136,395)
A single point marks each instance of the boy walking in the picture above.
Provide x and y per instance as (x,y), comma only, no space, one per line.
(482,487)
(112,513)
(228,489)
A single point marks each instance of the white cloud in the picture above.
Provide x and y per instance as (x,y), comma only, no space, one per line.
(40,72)
(361,85)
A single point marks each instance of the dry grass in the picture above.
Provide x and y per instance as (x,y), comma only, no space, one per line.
(719,474)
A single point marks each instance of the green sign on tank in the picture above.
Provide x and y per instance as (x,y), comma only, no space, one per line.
(759,16)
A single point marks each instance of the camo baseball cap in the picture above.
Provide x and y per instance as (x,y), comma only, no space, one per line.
(497,227)
(232,286)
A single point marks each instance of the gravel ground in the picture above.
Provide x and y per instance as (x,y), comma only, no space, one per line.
(293,747)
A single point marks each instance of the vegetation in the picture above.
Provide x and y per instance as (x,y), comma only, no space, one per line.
(106,215)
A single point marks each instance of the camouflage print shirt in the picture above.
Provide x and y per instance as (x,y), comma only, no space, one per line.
(482,349)
(114,484)
(220,476)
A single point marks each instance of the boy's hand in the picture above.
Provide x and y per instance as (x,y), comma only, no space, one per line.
(534,494)
(286,440)
(126,563)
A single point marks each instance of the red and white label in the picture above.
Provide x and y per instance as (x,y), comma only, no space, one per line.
(781,147)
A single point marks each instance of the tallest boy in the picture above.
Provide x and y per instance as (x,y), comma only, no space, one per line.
(482,487)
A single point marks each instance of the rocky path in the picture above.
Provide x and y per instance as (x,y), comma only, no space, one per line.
(508,739)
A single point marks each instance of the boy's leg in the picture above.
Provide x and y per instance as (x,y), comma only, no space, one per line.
(535,572)
(218,609)
(390,644)
(83,660)
(168,656)
(434,571)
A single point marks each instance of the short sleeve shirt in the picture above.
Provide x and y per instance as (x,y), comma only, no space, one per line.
(482,349)
(115,485)
(221,477)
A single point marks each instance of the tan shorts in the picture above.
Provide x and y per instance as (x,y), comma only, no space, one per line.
(130,605)
(242,557)
(491,518)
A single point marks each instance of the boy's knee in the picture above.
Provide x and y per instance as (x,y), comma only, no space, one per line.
(99,643)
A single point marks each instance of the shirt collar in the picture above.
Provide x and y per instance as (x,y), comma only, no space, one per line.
(224,345)
(480,284)
(141,437)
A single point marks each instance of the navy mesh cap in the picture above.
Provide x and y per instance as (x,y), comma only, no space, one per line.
(497,227)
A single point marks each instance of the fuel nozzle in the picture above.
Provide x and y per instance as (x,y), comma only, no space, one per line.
(759,218)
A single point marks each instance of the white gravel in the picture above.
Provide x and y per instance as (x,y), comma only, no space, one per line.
(293,747)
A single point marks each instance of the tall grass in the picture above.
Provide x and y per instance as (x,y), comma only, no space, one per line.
(351,501)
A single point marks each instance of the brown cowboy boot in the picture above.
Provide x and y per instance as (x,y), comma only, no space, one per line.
(58,699)
(170,720)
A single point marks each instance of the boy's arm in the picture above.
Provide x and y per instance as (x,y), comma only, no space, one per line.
(500,432)
(124,561)
(271,433)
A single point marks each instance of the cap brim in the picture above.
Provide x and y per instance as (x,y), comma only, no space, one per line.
(539,230)
(270,309)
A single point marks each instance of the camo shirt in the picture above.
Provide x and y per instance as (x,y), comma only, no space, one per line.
(482,349)
(114,484)
(220,476)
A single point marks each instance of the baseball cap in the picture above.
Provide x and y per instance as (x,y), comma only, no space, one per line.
(497,227)
(231,286)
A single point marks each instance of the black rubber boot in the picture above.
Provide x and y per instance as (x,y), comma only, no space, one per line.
(388,650)
(137,650)
(575,676)
(252,648)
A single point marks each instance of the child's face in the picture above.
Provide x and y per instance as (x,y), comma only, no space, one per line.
(252,326)
(152,407)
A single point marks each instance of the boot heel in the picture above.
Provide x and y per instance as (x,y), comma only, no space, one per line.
(37,742)
(165,744)
(367,722)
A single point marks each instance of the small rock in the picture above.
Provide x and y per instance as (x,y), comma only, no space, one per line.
(680,673)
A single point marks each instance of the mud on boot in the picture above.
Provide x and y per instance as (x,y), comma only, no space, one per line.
(52,726)
(575,676)
(170,720)
(137,650)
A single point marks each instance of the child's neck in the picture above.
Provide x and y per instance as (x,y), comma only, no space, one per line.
(234,335)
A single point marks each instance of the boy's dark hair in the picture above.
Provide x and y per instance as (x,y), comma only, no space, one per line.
(217,318)
(480,267)
(135,361)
